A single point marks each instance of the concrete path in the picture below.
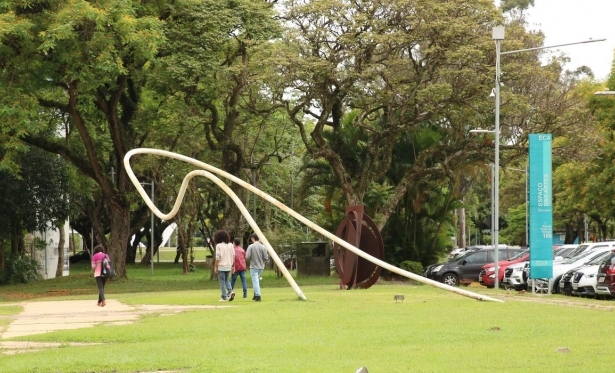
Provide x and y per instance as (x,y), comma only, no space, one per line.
(44,317)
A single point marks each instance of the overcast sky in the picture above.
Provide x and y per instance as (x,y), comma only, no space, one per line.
(569,21)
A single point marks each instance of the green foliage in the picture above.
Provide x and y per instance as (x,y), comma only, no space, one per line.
(19,269)
(508,5)
(410,266)
(514,233)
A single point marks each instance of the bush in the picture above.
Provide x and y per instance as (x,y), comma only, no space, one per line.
(19,269)
(410,266)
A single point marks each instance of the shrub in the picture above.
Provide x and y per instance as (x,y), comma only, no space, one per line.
(410,266)
(19,269)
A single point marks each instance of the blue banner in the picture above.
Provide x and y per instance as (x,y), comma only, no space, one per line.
(540,208)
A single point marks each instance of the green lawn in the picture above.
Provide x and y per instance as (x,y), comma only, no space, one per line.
(333,331)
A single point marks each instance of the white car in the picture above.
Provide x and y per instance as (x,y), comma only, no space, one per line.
(584,281)
(569,282)
(514,276)
(552,285)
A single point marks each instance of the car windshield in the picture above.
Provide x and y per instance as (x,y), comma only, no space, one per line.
(565,252)
(577,251)
(461,255)
(597,260)
(578,257)
(518,256)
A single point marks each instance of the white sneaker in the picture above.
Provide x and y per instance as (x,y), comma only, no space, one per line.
(222,300)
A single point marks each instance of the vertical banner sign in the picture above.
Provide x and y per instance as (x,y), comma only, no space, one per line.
(541,209)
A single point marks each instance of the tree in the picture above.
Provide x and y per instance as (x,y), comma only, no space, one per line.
(34,200)
(78,66)
(401,66)
(508,5)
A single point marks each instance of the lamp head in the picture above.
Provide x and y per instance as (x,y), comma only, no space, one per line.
(492,94)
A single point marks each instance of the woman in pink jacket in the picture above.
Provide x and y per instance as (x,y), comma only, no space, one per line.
(97,264)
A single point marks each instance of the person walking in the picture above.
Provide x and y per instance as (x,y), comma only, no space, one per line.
(224,264)
(97,264)
(258,256)
(240,267)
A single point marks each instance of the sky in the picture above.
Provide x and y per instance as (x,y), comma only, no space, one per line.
(569,21)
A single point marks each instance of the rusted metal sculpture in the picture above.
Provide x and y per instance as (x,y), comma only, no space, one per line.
(359,230)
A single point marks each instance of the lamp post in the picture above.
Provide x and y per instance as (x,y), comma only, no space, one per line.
(151,240)
(498,35)
(255,166)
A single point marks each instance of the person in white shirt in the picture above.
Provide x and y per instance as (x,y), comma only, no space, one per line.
(224,264)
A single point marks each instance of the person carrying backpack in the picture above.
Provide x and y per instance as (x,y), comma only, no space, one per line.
(97,264)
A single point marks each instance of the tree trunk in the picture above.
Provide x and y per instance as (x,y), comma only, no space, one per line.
(461,238)
(2,260)
(120,234)
(60,267)
(181,246)
(16,237)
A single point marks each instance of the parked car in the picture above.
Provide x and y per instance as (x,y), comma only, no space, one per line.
(584,282)
(552,285)
(605,280)
(81,256)
(466,268)
(487,274)
(569,283)
(515,276)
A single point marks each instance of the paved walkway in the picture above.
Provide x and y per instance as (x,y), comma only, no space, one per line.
(44,317)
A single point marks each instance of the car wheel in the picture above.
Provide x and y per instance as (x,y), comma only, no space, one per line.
(450,279)
(556,289)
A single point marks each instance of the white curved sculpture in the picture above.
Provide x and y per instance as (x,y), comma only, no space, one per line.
(255,227)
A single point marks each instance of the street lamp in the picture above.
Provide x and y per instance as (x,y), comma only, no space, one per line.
(498,36)
(255,166)
(491,169)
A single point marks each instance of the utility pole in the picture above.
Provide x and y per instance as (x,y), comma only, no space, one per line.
(255,166)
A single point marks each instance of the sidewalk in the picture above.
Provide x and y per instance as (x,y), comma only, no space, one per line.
(44,317)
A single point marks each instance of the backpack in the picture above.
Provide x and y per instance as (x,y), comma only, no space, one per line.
(106,270)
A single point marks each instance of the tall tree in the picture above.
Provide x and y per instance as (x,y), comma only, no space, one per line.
(403,66)
(78,66)
(36,199)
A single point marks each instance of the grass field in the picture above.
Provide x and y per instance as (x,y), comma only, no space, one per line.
(333,331)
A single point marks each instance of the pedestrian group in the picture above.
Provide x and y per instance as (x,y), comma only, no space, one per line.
(230,263)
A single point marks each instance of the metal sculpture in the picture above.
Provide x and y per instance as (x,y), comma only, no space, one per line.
(359,230)
(255,227)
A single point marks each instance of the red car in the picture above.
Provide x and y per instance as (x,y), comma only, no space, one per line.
(487,277)
(605,279)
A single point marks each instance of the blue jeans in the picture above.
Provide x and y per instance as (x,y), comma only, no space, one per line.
(225,283)
(242,276)
(256,274)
